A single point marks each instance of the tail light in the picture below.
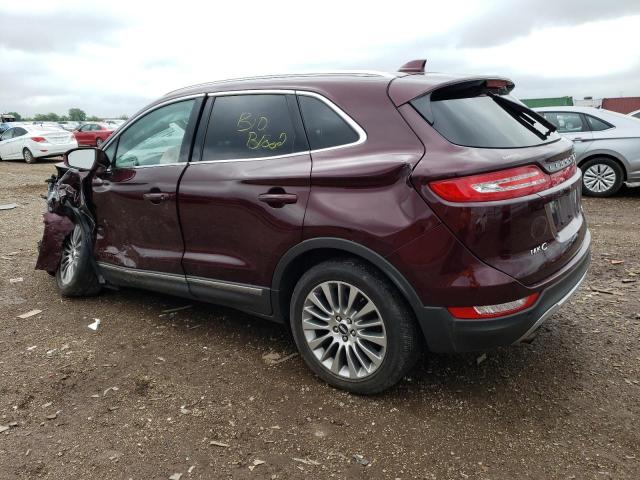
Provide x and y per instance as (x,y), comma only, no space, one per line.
(493,311)
(501,185)
(39,139)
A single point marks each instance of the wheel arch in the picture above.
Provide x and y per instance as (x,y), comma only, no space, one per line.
(608,155)
(310,252)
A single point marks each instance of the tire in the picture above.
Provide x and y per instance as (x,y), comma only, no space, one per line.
(75,275)
(322,343)
(28,156)
(99,142)
(601,177)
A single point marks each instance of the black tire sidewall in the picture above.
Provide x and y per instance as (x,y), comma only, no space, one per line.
(24,155)
(84,281)
(603,161)
(396,317)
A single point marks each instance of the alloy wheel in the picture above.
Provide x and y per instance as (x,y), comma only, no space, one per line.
(599,178)
(99,142)
(71,255)
(344,330)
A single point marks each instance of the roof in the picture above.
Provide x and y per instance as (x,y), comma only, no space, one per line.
(547,102)
(402,87)
(568,108)
(621,104)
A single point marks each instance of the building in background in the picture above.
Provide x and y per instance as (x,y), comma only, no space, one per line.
(588,102)
(621,104)
(547,102)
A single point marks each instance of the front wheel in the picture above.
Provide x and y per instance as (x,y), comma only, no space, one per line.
(352,327)
(75,275)
(601,177)
(28,156)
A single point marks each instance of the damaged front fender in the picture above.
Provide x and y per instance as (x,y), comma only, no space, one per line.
(56,229)
(67,205)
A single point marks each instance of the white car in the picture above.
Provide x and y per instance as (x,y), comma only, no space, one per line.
(606,144)
(30,142)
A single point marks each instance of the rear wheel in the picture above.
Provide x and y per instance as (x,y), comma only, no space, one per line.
(352,327)
(28,156)
(75,275)
(99,142)
(601,177)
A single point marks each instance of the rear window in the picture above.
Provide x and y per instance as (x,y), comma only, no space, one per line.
(325,128)
(483,121)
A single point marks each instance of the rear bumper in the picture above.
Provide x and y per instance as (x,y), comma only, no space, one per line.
(52,149)
(445,334)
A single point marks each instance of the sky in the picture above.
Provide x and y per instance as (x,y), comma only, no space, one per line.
(112,58)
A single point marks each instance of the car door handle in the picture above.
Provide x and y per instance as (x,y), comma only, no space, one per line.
(278,199)
(578,139)
(157,197)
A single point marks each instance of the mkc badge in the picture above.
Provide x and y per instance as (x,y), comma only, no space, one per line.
(540,248)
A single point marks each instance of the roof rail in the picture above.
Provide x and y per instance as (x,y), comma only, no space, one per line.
(372,73)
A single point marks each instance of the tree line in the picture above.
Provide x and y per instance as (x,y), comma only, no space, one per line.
(74,115)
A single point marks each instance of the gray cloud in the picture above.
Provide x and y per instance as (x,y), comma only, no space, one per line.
(505,20)
(55,32)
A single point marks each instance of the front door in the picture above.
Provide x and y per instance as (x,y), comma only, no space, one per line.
(138,232)
(242,205)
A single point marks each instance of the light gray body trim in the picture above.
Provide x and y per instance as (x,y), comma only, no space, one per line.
(545,316)
(205,282)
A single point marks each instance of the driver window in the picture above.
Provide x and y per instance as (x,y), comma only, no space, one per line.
(156,138)
(7,135)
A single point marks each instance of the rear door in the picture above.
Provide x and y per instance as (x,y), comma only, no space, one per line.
(243,197)
(574,126)
(135,199)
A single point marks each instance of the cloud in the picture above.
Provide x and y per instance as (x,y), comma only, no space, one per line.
(506,20)
(114,57)
(55,31)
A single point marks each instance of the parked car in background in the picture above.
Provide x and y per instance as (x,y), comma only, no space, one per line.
(606,144)
(414,229)
(635,114)
(93,134)
(69,126)
(30,142)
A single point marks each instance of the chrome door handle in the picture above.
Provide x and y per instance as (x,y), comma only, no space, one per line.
(278,200)
(157,197)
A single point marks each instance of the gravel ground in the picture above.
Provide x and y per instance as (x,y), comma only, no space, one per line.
(197,392)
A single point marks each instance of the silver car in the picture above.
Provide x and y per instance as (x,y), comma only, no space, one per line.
(607,146)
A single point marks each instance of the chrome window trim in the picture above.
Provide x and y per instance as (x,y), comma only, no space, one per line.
(362,134)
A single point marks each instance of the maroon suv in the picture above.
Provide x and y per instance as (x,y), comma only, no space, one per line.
(374,214)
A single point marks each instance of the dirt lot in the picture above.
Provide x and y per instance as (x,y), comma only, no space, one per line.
(147,393)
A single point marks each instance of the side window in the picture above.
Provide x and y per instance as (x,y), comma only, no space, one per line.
(18,132)
(637,115)
(566,122)
(156,138)
(325,128)
(7,134)
(596,124)
(250,126)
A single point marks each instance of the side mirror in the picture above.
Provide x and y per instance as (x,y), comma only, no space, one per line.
(85,159)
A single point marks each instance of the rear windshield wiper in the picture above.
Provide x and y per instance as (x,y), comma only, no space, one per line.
(523,114)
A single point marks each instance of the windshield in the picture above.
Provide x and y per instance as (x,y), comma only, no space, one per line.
(485,121)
